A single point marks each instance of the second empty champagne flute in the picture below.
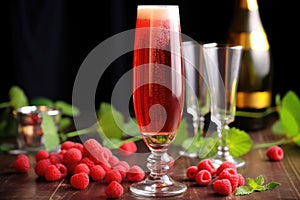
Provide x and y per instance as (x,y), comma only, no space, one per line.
(223,64)
(197,97)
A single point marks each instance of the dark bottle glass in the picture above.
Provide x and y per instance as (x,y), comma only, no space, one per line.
(254,92)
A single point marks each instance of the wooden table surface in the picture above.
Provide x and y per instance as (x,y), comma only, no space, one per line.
(15,185)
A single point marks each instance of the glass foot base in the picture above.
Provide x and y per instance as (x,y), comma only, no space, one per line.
(217,161)
(188,154)
(163,187)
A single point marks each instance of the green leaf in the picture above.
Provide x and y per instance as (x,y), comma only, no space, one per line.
(67,109)
(112,143)
(131,128)
(238,142)
(51,138)
(259,180)
(291,103)
(271,185)
(277,128)
(42,101)
(181,133)
(243,190)
(111,121)
(64,123)
(289,123)
(209,146)
(17,97)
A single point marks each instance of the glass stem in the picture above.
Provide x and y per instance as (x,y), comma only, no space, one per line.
(222,134)
(158,164)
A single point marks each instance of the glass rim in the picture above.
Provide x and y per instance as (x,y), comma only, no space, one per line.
(216,45)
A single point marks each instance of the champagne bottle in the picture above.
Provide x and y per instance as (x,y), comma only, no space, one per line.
(254,92)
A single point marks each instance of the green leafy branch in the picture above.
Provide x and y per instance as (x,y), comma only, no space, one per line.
(255,185)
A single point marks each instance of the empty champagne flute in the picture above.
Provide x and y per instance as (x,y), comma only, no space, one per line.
(223,64)
(197,97)
(158,93)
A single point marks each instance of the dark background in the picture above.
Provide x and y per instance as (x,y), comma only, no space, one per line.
(44,42)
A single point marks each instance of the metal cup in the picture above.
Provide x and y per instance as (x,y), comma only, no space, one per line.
(30,133)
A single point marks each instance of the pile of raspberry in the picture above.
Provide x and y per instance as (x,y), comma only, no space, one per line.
(224,179)
(87,162)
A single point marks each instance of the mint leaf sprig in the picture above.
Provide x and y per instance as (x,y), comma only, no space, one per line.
(255,185)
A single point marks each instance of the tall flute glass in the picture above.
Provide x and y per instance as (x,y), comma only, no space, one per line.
(223,65)
(158,93)
(197,96)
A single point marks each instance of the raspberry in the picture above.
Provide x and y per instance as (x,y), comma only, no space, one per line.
(63,169)
(91,145)
(135,173)
(80,181)
(88,162)
(122,170)
(67,145)
(72,156)
(52,173)
(203,177)
(55,158)
(127,148)
(78,146)
(114,190)
(41,154)
(97,173)
(224,165)
(241,180)
(231,175)
(191,172)
(21,164)
(275,153)
(113,175)
(124,164)
(81,167)
(222,186)
(41,166)
(113,160)
(206,164)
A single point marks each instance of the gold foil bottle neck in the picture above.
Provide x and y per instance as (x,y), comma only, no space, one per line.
(249,4)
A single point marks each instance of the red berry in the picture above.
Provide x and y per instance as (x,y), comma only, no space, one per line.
(41,166)
(127,148)
(72,156)
(113,175)
(135,173)
(80,181)
(97,173)
(41,154)
(63,169)
(52,173)
(231,175)
(113,160)
(67,145)
(21,164)
(122,170)
(206,164)
(87,161)
(81,167)
(275,153)
(224,165)
(124,164)
(241,180)
(203,177)
(222,186)
(91,145)
(55,158)
(114,190)
(191,172)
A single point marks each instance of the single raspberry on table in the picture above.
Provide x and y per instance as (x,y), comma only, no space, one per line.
(97,173)
(275,153)
(41,166)
(52,173)
(222,186)
(127,148)
(81,167)
(79,181)
(41,154)
(21,163)
(224,165)
(203,177)
(135,173)
(114,190)
(206,164)
(72,156)
(191,172)
(113,175)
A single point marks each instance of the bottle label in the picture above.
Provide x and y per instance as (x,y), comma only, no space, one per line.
(253,100)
